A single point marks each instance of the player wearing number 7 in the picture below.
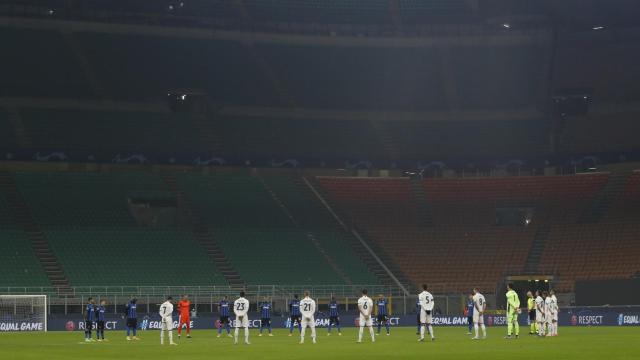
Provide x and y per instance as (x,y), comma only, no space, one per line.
(365,307)
(166,316)
(479,306)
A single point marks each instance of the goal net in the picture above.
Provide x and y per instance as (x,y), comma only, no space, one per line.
(23,313)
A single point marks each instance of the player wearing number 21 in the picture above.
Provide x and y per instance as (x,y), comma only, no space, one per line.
(308,310)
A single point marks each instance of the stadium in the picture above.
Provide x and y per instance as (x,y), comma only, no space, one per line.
(319,179)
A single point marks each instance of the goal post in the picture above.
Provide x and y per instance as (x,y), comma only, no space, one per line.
(23,313)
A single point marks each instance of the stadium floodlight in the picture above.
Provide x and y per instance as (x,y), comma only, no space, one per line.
(23,313)
(599,27)
(506,25)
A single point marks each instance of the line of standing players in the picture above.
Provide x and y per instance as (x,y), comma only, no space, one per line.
(95,317)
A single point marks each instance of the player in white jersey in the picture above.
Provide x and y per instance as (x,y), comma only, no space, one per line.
(426,306)
(308,310)
(166,320)
(365,307)
(555,309)
(548,312)
(479,306)
(240,309)
(540,313)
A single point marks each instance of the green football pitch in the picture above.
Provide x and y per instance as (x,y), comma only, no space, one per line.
(602,343)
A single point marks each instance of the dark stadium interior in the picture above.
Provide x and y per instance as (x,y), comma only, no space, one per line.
(384,143)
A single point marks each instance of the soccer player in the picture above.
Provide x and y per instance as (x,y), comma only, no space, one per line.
(223,310)
(89,318)
(418,314)
(548,315)
(365,307)
(426,306)
(294,314)
(513,309)
(383,314)
(334,316)
(240,309)
(100,315)
(308,310)
(554,313)
(265,316)
(540,313)
(184,309)
(131,313)
(166,320)
(531,306)
(480,305)
(469,313)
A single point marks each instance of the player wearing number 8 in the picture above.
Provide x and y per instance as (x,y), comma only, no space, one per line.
(480,305)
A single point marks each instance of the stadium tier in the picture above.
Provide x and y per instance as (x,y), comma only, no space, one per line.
(464,243)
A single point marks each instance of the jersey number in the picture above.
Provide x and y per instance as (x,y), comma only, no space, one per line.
(307,307)
(240,306)
(480,302)
(365,306)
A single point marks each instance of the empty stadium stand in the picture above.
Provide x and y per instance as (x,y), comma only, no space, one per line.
(465,246)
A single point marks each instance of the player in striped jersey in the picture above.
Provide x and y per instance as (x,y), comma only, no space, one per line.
(223,312)
(334,316)
(89,318)
(265,316)
(383,314)
(100,312)
(294,314)
(131,312)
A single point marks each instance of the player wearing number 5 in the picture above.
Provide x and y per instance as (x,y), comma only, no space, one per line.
(308,310)
(365,307)
(479,306)
(426,304)
(240,309)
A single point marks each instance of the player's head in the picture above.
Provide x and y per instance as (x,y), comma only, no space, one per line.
(225,298)
(306,293)
(510,286)
(90,300)
(475,291)
(295,296)
(380,296)
(537,293)
(333,299)
(529,294)
(185,297)
(552,292)
(241,294)
(545,294)
(471,296)
(424,287)
(364,291)
(134,300)
(169,298)
(266,299)
(103,302)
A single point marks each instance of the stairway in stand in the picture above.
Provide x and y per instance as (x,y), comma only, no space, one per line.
(44,253)
(203,235)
